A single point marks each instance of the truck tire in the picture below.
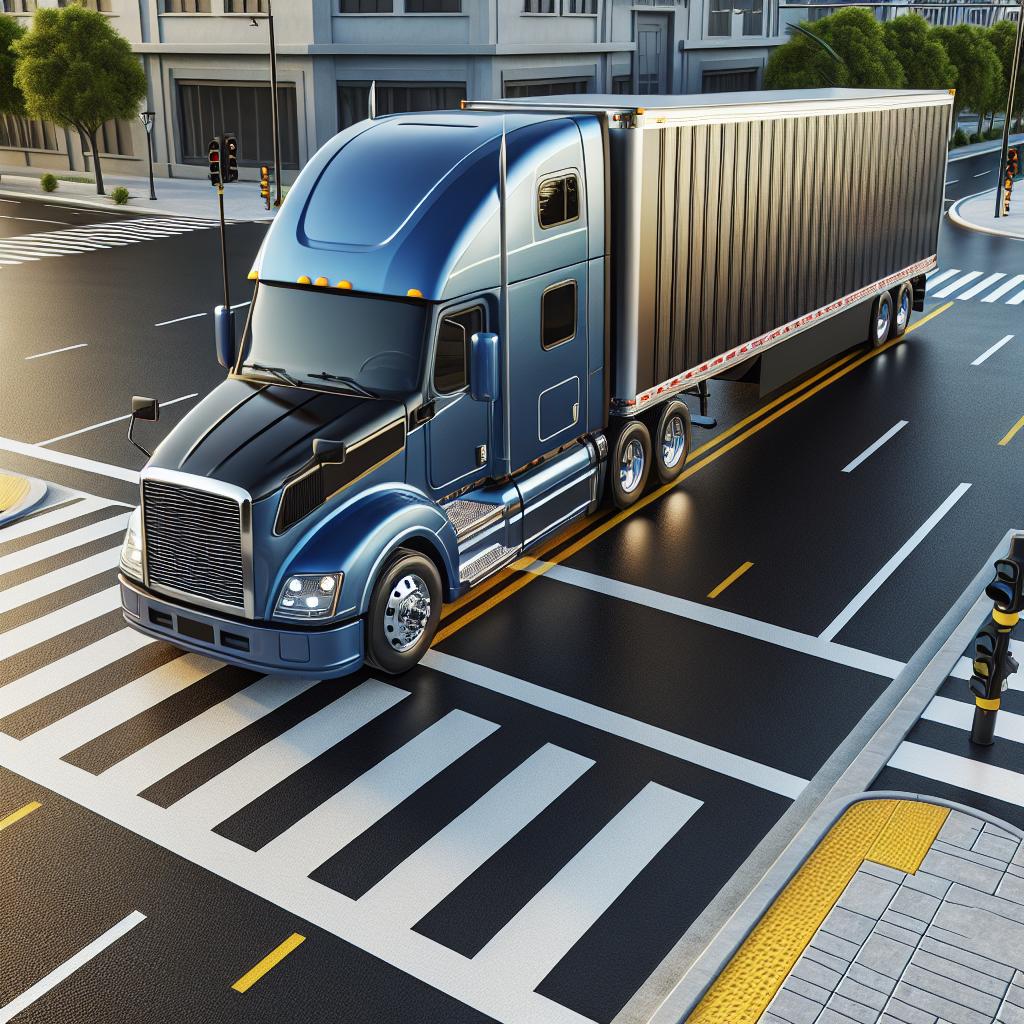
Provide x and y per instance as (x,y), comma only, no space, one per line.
(881,320)
(405,608)
(902,304)
(671,441)
(629,464)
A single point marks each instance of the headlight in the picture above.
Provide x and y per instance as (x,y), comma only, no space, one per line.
(309,596)
(131,549)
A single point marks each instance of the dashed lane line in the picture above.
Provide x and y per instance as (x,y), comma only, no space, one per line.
(116,419)
(34,451)
(871,449)
(730,580)
(21,812)
(992,351)
(57,351)
(270,961)
(1012,433)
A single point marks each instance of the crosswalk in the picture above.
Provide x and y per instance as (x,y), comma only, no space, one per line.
(42,245)
(85,714)
(964,285)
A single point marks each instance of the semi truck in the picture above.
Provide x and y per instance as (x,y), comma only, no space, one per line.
(469,328)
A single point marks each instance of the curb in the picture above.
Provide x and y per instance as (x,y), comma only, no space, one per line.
(780,855)
(93,204)
(954,215)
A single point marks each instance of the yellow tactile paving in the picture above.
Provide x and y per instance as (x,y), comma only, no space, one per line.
(12,490)
(893,832)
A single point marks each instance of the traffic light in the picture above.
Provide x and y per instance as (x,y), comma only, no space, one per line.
(213,152)
(1007,589)
(265,184)
(229,145)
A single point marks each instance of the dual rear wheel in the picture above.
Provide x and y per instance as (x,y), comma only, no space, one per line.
(890,315)
(648,450)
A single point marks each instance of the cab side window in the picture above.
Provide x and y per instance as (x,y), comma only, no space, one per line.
(451,360)
(558,201)
(558,314)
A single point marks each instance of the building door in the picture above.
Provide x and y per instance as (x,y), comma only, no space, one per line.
(652,53)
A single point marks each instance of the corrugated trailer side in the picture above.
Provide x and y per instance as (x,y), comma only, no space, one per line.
(760,220)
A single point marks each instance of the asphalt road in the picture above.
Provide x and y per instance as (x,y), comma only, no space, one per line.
(609,742)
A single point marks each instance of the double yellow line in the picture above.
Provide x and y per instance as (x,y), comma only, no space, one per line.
(524,571)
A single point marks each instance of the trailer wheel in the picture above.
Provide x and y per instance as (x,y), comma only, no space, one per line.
(672,441)
(881,320)
(902,304)
(630,464)
(405,608)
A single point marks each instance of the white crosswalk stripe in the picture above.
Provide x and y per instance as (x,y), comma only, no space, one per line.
(957,284)
(45,520)
(47,627)
(57,545)
(964,286)
(935,279)
(998,293)
(42,586)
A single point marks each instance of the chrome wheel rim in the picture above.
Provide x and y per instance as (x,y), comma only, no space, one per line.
(882,320)
(406,613)
(631,466)
(673,442)
(903,313)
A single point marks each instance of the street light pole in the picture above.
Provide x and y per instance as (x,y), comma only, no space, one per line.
(1014,65)
(273,108)
(148,117)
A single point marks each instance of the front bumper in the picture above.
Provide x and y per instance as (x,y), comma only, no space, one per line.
(300,653)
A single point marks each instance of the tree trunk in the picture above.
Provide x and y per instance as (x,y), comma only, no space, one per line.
(981,121)
(97,170)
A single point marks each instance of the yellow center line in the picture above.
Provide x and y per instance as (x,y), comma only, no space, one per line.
(21,812)
(272,959)
(730,579)
(1013,430)
(538,566)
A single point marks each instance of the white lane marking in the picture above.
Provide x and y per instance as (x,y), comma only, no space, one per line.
(522,954)
(991,351)
(414,954)
(43,586)
(46,627)
(66,969)
(55,517)
(1017,299)
(70,669)
(13,202)
(32,245)
(116,419)
(273,762)
(938,278)
(78,728)
(682,747)
(871,449)
(866,592)
(447,859)
(977,289)
(191,316)
(57,545)
(190,739)
(1004,288)
(952,181)
(722,619)
(34,451)
(331,826)
(957,284)
(960,715)
(13,259)
(12,263)
(962,772)
(982,174)
(32,220)
(56,351)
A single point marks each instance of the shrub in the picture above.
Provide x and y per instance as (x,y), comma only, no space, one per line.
(975,137)
(994,133)
(48,183)
(120,195)
(960,137)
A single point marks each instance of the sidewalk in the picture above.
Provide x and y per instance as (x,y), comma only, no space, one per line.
(989,146)
(188,197)
(976,213)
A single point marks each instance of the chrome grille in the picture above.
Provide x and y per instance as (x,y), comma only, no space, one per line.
(193,543)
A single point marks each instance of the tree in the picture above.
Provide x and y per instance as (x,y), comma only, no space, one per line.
(978,71)
(924,60)
(77,72)
(1003,36)
(11,100)
(855,55)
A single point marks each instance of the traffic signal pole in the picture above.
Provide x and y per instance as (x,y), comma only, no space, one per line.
(274,116)
(1014,65)
(223,245)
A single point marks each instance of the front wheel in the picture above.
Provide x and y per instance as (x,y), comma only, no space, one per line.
(405,609)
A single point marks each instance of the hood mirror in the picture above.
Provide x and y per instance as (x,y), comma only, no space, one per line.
(224,336)
(325,450)
(143,409)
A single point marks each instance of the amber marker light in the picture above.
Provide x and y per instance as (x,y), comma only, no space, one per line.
(321,282)
(254,275)
(302,280)
(414,293)
(343,284)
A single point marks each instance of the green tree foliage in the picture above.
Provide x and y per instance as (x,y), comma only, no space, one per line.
(924,60)
(11,31)
(978,71)
(855,38)
(76,71)
(1003,36)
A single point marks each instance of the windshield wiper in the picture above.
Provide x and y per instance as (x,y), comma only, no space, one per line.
(278,371)
(349,382)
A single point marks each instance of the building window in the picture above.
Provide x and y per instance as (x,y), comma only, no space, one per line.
(17,6)
(737,80)
(433,6)
(186,6)
(367,6)
(622,84)
(547,87)
(558,314)
(558,201)
(26,133)
(103,6)
(245,6)
(114,139)
(539,6)
(395,98)
(209,109)
(451,361)
(720,18)
(579,6)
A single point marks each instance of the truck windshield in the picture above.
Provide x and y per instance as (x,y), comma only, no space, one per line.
(375,342)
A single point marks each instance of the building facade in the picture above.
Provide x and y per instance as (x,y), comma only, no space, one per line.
(207,66)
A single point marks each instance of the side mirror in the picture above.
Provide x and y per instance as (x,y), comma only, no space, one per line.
(483,367)
(143,409)
(328,451)
(224,333)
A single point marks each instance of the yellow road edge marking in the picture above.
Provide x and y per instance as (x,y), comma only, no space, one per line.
(21,812)
(1012,432)
(730,579)
(272,959)
(538,567)
(897,833)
